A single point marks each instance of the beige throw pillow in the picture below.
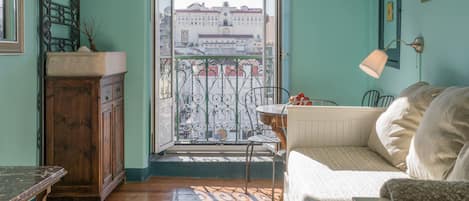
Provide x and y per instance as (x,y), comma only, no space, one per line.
(461,167)
(395,128)
(415,168)
(443,132)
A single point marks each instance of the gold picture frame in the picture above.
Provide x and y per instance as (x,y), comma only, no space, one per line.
(390,11)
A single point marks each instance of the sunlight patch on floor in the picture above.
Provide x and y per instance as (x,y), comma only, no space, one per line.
(219,193)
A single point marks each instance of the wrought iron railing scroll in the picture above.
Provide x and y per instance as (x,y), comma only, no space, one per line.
(59,31)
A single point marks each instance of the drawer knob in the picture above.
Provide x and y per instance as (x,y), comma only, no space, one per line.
(106,98)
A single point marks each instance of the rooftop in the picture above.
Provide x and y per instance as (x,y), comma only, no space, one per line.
(201,8)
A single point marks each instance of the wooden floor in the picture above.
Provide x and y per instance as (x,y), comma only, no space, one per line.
(187,189)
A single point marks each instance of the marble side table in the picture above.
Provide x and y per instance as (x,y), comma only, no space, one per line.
(26,183)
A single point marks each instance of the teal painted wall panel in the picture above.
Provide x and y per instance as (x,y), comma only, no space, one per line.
(18,89)
(328,41)
(125,26)
(444,61)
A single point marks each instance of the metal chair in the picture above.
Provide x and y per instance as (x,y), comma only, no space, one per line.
(255,97)
(385,101)
(260,133)
(370,98)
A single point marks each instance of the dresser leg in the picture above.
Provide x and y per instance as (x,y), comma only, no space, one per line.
(43,195)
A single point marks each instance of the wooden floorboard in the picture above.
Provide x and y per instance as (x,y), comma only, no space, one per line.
(189,189)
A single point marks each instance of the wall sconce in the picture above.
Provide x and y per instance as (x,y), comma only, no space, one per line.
(374,64)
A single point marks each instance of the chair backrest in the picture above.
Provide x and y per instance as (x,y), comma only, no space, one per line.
(261,96)
(323,102)
(385,101)
(370,98)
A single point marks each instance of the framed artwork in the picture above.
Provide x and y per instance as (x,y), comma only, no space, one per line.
(390,30)
(390,11)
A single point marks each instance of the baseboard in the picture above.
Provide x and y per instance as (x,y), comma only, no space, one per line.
(216,167)
(205,167)
(137,174)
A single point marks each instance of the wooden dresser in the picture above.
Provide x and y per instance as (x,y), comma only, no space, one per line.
(85,135)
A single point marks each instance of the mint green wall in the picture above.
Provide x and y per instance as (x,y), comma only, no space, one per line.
(124,25)
(445,60)
(18,88)
(329,38)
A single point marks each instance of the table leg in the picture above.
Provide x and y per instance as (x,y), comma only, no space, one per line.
(43,195)
(273,177)
(281,136)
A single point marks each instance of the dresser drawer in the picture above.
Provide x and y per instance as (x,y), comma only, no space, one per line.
(117,90)
(106,93)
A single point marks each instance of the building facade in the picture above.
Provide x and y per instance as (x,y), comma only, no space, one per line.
(224,30)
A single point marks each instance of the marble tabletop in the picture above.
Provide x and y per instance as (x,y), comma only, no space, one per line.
(275,109)
(24,183)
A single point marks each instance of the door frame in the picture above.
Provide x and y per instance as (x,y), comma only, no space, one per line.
(280,54)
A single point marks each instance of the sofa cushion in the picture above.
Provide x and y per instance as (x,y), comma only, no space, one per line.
(441,136)
(398,124)
(336,173)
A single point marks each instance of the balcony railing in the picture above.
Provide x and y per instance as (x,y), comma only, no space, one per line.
(209,94)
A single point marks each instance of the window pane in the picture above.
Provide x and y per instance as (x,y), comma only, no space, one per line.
(270,42)
(8,20)
(165,23)
(2,18)
(165,44)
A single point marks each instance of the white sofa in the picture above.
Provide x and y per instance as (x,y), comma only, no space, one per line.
(328,158)
(337,153)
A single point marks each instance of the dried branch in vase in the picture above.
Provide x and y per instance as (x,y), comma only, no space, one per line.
(88,28)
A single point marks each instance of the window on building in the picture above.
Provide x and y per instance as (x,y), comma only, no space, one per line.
(184,36)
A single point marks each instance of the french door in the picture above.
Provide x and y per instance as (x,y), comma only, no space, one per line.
(201,74)
(163,84)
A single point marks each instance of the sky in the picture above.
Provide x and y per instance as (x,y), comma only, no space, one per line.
(180,4)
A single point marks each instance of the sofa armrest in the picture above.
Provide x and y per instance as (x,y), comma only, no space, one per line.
(410,190)
(330,126)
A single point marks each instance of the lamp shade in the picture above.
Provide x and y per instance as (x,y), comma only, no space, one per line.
(374,64)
